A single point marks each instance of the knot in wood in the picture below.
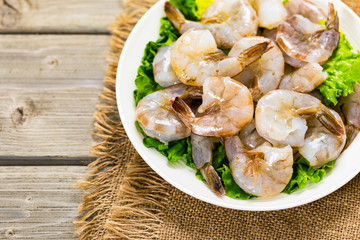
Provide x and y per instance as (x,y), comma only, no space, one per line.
(51,61)
(9,13)
(23,113)
(9,233)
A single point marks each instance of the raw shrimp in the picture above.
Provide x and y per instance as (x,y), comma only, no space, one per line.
(307,9)
(306,41)
(227,20)
(321,146)
(280,117)
(164,74)
(350,106)
(304,79)
(227,107)
(250,137)
(264,171)
(271,34)
(195,57)
(156,117)
(270,12)
(202,156)
(264,74)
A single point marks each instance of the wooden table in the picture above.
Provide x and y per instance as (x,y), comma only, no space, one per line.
(52,62)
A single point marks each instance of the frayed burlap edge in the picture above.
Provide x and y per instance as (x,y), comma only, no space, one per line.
(125,199)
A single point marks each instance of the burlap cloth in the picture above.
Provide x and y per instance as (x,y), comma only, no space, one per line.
(127,200)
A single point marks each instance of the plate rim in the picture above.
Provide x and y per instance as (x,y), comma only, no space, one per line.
(139,146)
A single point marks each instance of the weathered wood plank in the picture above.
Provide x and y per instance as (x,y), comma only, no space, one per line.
(81,16)
(39,202)
(49,90)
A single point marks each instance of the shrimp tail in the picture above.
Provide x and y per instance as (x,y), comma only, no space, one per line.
(326,118)
(332,21)
(213,179)
(329,121)
(183,111)
(351,133)
(253,53)
(174,15)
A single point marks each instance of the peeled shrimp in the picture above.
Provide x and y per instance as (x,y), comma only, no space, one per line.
(305,8)
(195,57)
(281,115)
(227,20)
(227,107)
(156,117)
(264,74)
(304,79)
(350,107)
(164,74)
(306,41)
(322,146)
(264,171)
(202,156)
(250,137)
(270,12)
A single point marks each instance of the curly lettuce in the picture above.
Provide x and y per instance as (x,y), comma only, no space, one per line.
(343,69)
(303,174)
(192,9)
(174,151)
(144,81)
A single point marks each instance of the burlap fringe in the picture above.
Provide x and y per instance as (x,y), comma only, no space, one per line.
(125,197)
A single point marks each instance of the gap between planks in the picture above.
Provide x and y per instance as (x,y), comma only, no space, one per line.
(39,202)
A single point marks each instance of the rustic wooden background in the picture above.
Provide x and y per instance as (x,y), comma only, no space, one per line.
(52,62)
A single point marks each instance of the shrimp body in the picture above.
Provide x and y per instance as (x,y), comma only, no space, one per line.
(281,115)
(304,79)
(264,171)
(270,12)
(227,20)
(306,41)
(164,74)
(202,156)
(250,137)
(156,117)
(226,108)
(264,74)
(196,57)
(321,146)
(305,8)
(271,34)
(350,107)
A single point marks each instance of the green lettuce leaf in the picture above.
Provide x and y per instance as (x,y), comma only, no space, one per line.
(343,69)
(304,174)
(231,188)
(144,81)
(174,151)
(188,8)
(219,156)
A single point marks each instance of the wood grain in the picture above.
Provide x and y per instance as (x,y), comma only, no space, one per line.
(39,202)
(49,91)
(50,16)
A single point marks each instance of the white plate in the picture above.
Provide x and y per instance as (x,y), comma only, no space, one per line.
(183,177)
